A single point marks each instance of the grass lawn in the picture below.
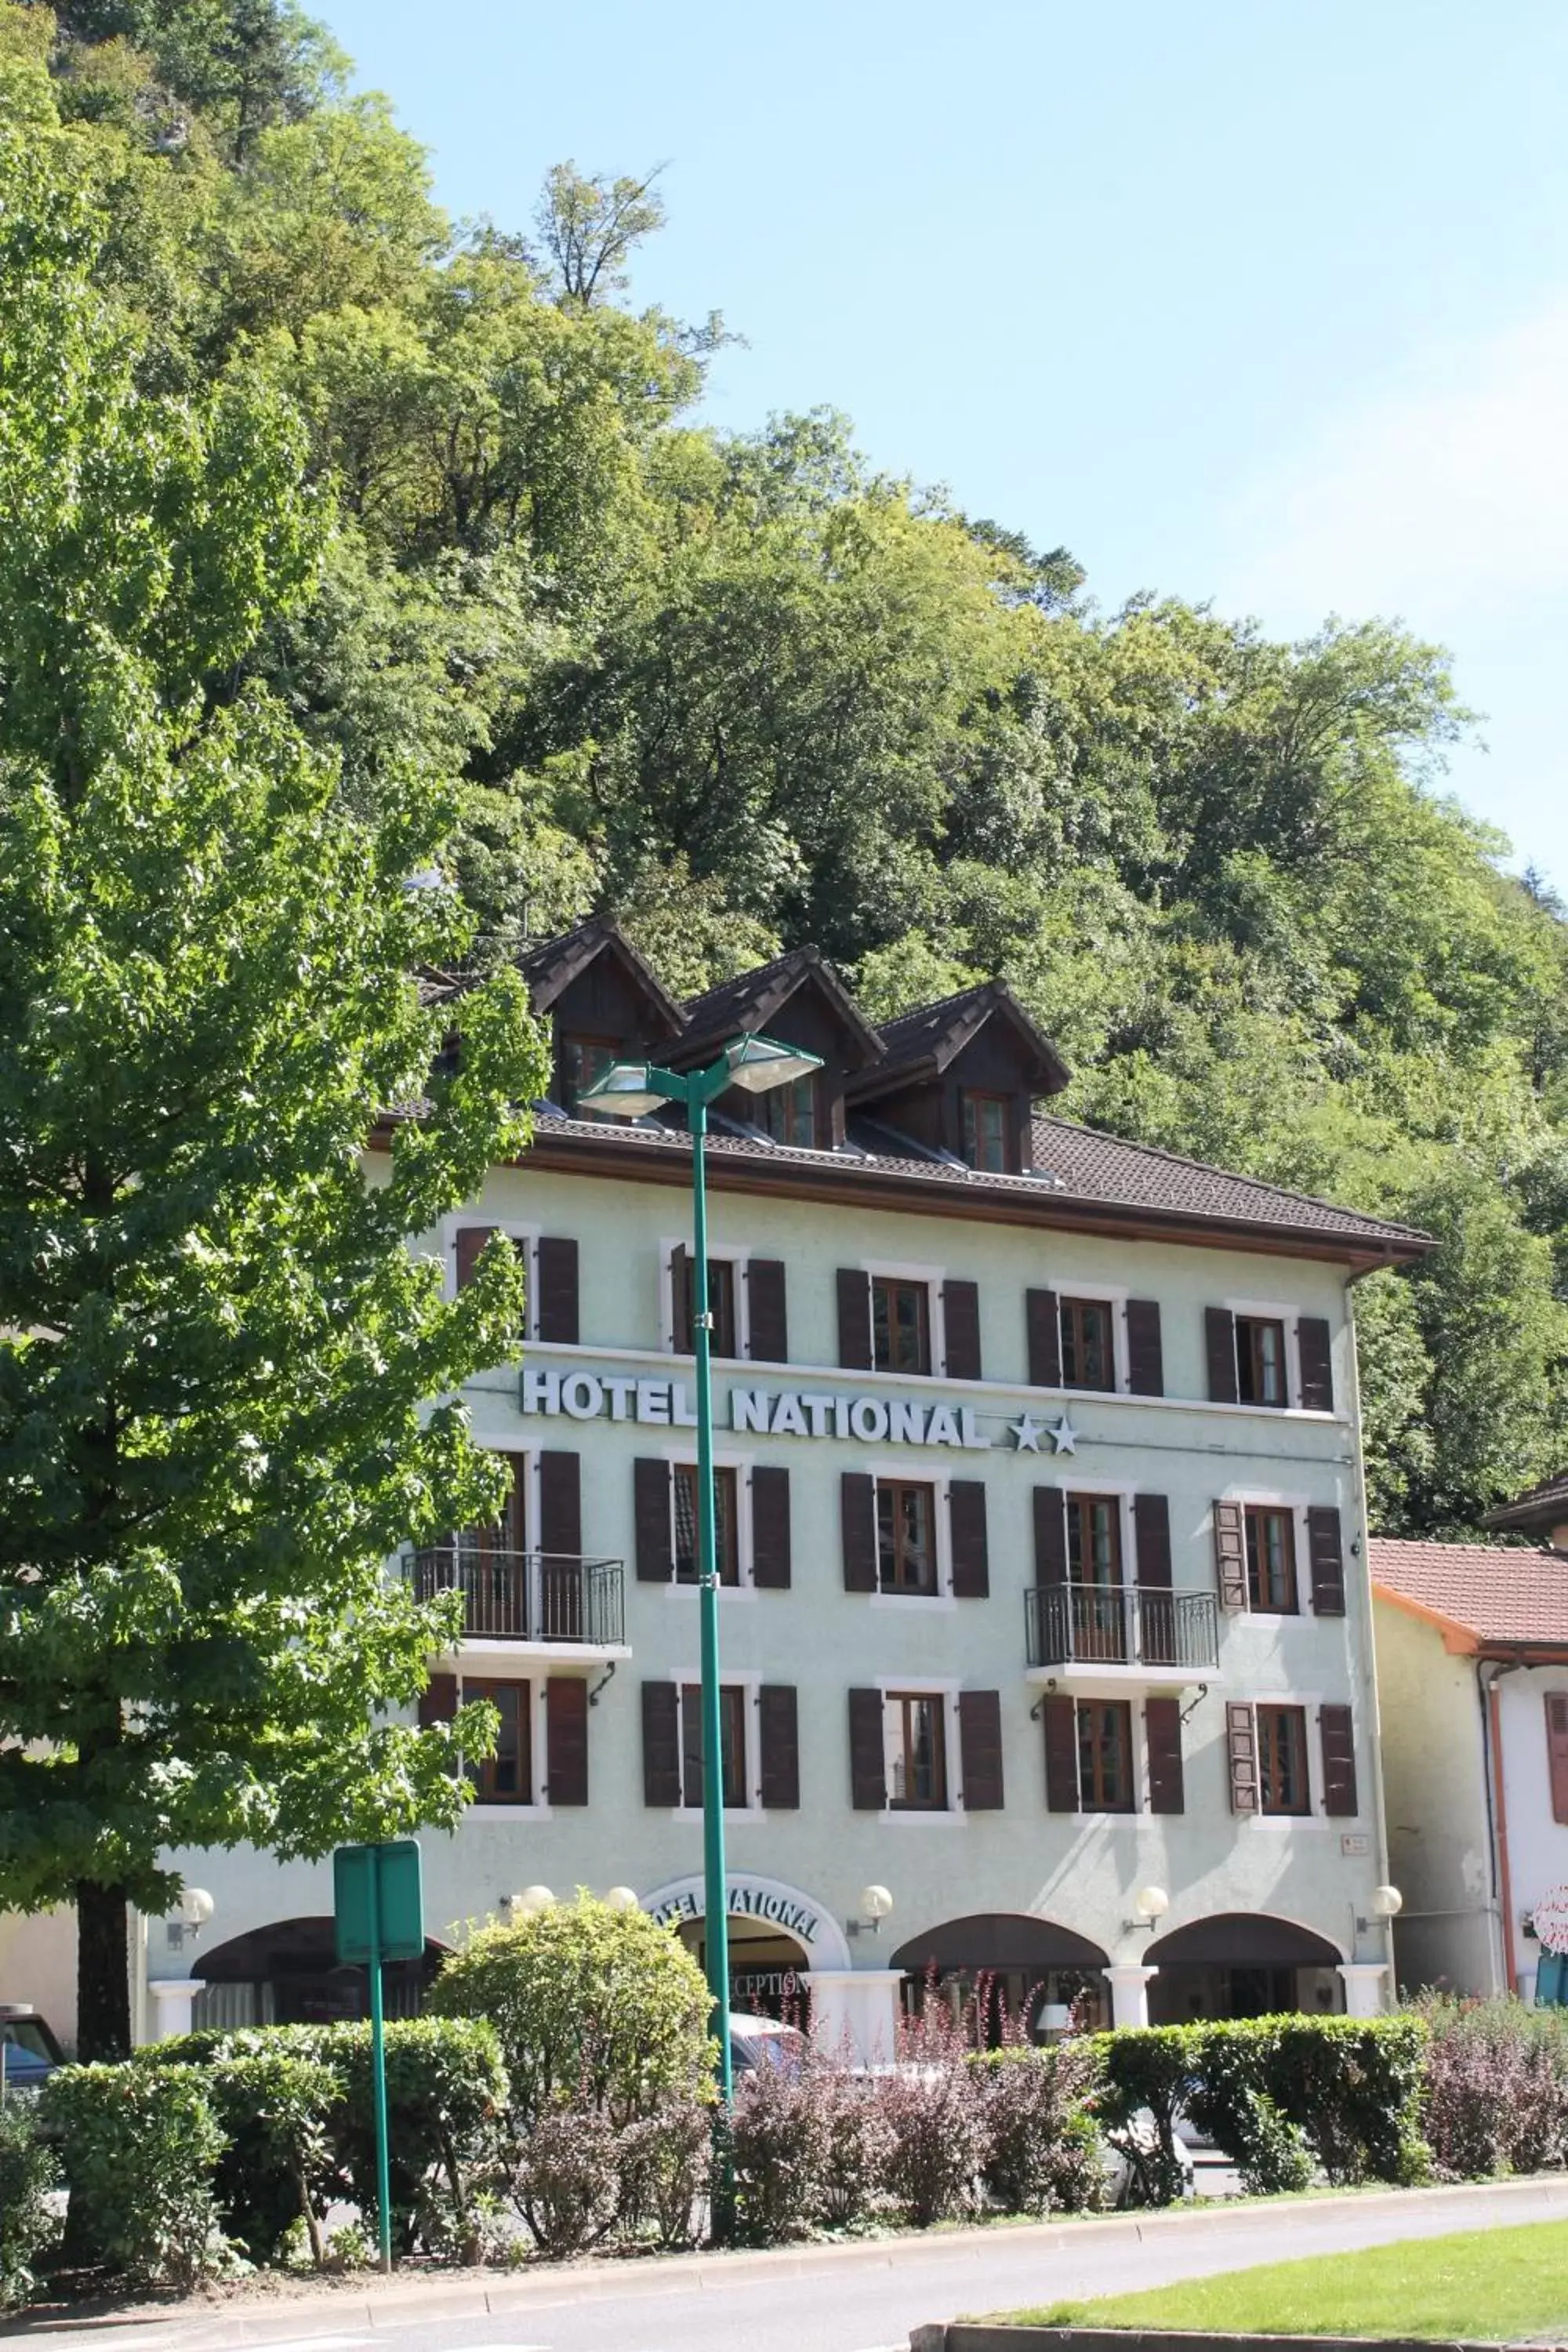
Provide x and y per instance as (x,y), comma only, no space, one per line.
(1482,2285)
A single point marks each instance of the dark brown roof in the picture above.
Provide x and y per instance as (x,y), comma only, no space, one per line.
(928,1039)
(551,967)
(1486,1594)
(750,1001)
(1542,1506)
(1101,1167)
(1075,1169)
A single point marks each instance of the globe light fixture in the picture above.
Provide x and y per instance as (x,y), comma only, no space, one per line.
(196,1906)
(532,1899)
(622,1898)
(1387,1902)
(1150,1903)
(875,1905)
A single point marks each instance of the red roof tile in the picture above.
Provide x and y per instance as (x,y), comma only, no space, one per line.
(1498,1592)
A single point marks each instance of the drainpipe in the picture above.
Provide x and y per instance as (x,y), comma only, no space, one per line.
(1496,1807)
(1363,1585)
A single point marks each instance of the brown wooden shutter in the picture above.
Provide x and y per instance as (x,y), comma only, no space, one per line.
(1145,1355)
(682,1336)
(1325,1558)
(1151,1537)
(1317,1364)
(767,1325)
(1336,1728)
(778,1743)
(1230,1555)
(1050,1536)
(854,1319)
(555,1276)
(566,1740)
(438,1700)
(1043,1329)
(655,1551)
(966,1527)
(470,1241)
(691,1791)
(961,1323)
(559,1506)
(660,1744)
(980,1750)
(1162,1728)
(1059,1716)
(1219,1337)
(769,1527)
(1557,1751)
(858,1516)
(867,1767)
(1241,1755)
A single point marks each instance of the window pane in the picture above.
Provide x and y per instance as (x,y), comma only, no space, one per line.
(918,1760)
(790,1113)
(1105,1756)
(906,1532)
(505,1778)
(1271,1560)
(1282,1759)
(899,1326)
(732,1743)
(726,1526)
(985,1131)
(1088,1358)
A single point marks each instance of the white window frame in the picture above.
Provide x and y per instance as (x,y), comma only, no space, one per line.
(685,1457)
(517,1230)
(1270,1499)
(1311,1704)
(1271,1310)
(749,1680)
(538,1745)
(1098,1294)
(904,1474)
(892,1269)
(947,1688)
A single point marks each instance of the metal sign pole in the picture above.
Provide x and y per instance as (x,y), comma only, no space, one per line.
(378,2071)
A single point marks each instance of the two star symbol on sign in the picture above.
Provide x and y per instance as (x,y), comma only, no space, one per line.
(1027,1434)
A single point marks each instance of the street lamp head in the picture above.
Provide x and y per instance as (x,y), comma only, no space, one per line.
(625,1091)
(759,1064)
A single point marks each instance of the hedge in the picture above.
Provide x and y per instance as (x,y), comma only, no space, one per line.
(28,2171)
(140,2148)
(447,2094)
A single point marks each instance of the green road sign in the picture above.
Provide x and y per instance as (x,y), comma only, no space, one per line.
(379,1903)
(380,1916)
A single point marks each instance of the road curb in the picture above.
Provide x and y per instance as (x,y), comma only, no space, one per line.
(435,2297)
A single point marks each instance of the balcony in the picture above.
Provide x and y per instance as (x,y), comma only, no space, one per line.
(548,1601)
(1120,1634)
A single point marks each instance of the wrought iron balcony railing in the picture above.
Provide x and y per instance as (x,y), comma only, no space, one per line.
(1121,1626)
(526,1596)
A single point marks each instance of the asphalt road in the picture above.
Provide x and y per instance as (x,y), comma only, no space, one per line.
(837,2299)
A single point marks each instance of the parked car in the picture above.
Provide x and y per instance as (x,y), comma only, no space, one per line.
(28,2050)
(761,2041)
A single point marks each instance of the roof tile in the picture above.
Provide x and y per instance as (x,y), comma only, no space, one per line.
(1498,1592)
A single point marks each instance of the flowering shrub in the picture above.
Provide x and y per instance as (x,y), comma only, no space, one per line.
(666,2164)
(1042,2145)
(1496,2088)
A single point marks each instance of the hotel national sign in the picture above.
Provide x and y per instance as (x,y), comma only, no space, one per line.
(778,1413)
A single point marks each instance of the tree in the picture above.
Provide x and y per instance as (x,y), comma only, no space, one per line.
(219,1349)
(589,225)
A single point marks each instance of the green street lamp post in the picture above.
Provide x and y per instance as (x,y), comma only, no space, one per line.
(631,1090)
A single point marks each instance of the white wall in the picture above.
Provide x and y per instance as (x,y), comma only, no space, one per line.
(1448,1932)
(1538,1845)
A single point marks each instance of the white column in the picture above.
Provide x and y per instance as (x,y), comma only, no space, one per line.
(1363,1982)
(857,2010)
(172,1999)
(1128,1985)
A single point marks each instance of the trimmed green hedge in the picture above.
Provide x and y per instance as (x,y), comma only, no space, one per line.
(299,2144)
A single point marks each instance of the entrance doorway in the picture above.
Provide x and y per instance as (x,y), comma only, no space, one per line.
(288,1974)
(767,1968)
(1241,1964)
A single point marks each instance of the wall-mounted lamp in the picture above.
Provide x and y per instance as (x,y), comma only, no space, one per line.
(524,1905)
(195,1908)
(622,1898)
(1149,1904)
(876,1903)
(1386,1902)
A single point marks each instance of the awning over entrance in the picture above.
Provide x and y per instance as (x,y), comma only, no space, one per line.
(999,1939)
(1243,1939)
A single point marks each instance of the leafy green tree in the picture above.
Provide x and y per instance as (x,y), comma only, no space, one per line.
(219,1348)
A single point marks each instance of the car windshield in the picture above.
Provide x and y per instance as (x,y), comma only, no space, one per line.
(26,2034)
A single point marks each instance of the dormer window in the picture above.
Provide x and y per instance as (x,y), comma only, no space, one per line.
(584,1061)
(987,1131)
(791,1114)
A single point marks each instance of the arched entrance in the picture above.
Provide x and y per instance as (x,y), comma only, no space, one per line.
(1013,1967)
(287,1973)
(779,1936)
(1241,1964)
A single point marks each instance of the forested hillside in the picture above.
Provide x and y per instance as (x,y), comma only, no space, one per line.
(750,690)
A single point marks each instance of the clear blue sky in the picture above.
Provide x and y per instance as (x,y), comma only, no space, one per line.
(1255,301)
